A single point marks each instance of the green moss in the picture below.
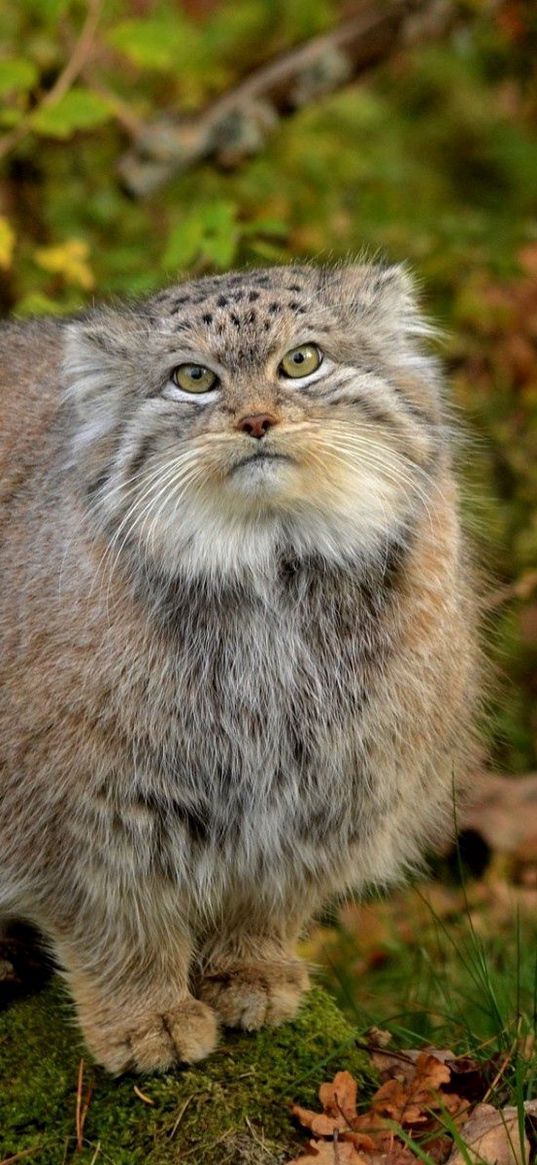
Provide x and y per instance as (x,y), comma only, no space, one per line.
(223,1110)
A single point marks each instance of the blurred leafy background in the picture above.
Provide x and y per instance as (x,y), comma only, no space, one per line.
(431,158)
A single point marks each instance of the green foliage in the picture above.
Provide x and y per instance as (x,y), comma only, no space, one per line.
(79,109)
(211,234)
(17,76)
(432,159)
(163,44)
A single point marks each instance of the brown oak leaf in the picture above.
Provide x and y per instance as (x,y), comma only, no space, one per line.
(318,1122)
(411,1100)
(469,1078)
(330,1153)
(394,1100)
(414,1100)
(338,1099)
(492,1136)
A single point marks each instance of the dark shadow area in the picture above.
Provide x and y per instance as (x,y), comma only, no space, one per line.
(25,966)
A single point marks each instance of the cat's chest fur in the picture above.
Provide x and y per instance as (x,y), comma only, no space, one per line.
(254,696)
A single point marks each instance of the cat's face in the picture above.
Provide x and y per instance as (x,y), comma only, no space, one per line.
(228,417)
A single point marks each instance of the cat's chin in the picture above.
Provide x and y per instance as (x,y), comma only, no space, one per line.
(229,536)
(262,476)
(240,521)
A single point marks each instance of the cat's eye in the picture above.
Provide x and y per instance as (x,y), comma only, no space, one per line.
(194,378)
(301,361)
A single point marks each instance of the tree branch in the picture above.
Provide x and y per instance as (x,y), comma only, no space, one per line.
(238,123)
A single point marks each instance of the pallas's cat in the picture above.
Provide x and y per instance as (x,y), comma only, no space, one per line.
(237,647)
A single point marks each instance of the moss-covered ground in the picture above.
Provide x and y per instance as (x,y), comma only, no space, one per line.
(234,1107)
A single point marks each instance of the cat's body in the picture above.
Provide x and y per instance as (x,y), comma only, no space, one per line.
(232,685)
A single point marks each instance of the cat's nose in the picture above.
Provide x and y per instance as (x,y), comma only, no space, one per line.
(257,425)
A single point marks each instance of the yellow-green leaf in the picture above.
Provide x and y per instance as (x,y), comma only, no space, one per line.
(17,75)
(10,117)
(78,109)
(68,259)
(7,243)
(155,43)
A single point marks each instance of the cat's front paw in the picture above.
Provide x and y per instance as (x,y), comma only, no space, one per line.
(186,1032)
(249,995)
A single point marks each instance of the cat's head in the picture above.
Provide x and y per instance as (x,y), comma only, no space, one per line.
(229,417)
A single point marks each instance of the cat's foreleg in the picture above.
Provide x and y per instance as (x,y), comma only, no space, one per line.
(131,991)
(252,977)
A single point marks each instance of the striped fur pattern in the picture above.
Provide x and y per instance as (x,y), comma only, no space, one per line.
(233,685)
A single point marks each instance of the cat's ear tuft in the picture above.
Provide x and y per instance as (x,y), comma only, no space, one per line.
(95,375)
(387,293)
(93,346)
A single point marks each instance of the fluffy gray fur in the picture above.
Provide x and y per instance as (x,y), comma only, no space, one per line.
(229,691)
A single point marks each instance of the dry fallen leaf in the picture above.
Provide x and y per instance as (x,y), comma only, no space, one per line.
(394,1102)
(410,1101)
(378,1037)
(393,1065)
(339,1098)
(469,1078)
(330,1153)
(339,1103)
(414,1100)
(493,1137)
(318,1122)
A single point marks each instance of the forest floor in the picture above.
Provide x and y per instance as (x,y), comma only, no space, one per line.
(449,966)
(433,1061)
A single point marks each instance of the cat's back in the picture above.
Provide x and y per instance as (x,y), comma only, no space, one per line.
(30,379)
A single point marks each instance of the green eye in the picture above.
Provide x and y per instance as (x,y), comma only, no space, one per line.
(194,378)
(301,361)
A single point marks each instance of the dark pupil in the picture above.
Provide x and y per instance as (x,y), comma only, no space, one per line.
(298,358)
(196,372)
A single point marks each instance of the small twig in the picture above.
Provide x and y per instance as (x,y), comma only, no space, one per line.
(392,1053)
(82,1106)
(142,1095)
(181,1115)
(499,1074)
(63,82)
(255,1137)
(78,56)
(19,1156)
(122,111)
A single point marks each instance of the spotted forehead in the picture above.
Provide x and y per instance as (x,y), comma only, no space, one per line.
(246,299)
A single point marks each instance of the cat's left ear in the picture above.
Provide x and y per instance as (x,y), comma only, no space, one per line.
(386,294)
(103,354)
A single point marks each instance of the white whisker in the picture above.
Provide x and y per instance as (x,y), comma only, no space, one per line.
(158,480)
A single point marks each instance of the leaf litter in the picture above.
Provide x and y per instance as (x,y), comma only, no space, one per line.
(428,1106)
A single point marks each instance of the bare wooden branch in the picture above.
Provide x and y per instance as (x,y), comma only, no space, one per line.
(79,55)
(238,123)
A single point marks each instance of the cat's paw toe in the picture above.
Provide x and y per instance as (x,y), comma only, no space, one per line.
(251,995)
(185,1033)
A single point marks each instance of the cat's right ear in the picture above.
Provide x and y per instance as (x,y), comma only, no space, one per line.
(386,295)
